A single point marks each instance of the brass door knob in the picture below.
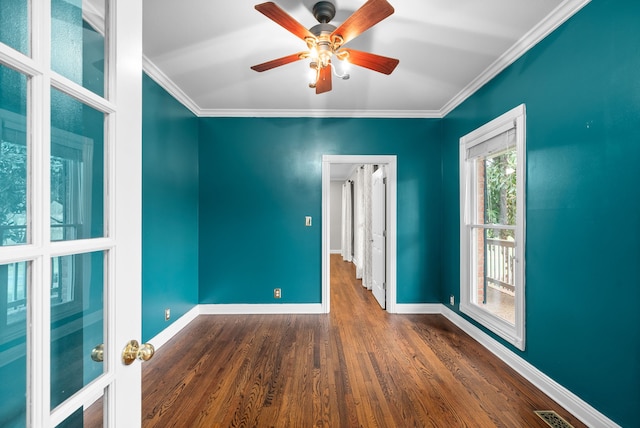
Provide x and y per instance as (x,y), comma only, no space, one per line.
(134,351)
(97,353)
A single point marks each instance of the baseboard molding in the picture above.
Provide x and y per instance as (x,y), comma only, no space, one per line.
(418,308)
(571,402)
(335,251)
(261,309)
(165,335)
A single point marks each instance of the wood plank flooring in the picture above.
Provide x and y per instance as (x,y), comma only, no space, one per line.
(355,367)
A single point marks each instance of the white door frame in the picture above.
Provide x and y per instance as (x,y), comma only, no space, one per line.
(391,245)
(378,235)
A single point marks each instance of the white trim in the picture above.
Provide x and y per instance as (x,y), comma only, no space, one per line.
(513,333)
(553,20)
(418,308)
(260,309)
(336,251)
(571,402)
(165,335)
(168,85)
(404,114)
(391,162)
(556,18)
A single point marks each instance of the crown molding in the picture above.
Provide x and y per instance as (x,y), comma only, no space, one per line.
(319,113)
(174,90)
(168,85)
(556,18)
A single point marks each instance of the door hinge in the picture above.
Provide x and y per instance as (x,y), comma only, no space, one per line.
(384,233)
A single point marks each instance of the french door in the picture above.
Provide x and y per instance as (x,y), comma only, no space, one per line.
(70,212)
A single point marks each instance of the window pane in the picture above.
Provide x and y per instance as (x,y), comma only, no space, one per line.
(77,327)
(77,167)
(77,42)
(13,157)
(494,272)
(497,188)
(14,24)
(13,348)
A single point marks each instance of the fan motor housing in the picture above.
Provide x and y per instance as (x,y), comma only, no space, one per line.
(324,11)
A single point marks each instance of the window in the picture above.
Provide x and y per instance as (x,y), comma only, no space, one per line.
(492,225)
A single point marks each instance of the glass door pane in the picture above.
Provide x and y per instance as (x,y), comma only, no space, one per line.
(14,24)
(78,43)
(77,322)
(77,169)
(13,158)
(13,344)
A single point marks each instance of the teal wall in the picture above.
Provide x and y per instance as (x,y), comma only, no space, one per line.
(224,201)
(169,209)
(581,87)
(259,178)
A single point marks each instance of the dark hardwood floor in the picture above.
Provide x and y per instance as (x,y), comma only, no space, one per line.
(355,367)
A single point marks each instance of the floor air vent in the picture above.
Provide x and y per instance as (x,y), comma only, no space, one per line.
(553,419)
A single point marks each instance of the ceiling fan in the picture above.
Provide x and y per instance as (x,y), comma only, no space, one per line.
(325,40)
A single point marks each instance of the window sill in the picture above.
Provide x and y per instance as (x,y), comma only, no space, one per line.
(500,327)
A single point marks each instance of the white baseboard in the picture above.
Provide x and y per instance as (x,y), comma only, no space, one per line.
(165,335)
(418,308)
(571,402)
(261,309)
(338,251)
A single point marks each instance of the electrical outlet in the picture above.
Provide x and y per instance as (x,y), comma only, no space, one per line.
(167,314)
(277,293)
(452,300)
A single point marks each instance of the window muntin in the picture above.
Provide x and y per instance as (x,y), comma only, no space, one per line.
(492,167)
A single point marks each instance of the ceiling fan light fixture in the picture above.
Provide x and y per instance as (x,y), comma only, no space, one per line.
(324,41)
(314,74)
(344,66)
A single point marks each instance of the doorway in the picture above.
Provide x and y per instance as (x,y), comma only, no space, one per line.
(390,162)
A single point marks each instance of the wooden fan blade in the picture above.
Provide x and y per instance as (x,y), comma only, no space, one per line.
(372,12)
(278,62)
(324,80)
(381,64)
(282,18)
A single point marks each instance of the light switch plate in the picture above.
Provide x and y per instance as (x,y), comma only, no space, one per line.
(307,220)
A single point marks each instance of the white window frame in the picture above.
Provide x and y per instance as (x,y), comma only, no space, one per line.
(512,333)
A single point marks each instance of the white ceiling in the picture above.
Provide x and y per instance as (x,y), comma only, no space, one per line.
(201,51)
